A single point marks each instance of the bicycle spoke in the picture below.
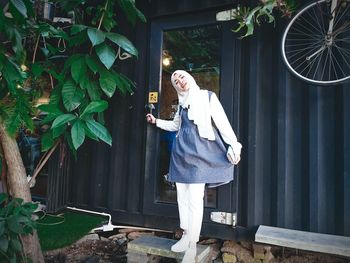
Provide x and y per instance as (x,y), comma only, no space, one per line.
(318,23)
(324,66)
(317,66)
(345,50)
(330,64)
(302,51)
(307,32)
(311,65)
(314,46)
(337,21)
(319,28)
(345,60)
(343,39)
(340,67)
(304,56)
(341,30)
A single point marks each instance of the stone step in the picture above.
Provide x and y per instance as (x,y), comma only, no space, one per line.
(153,245)
(331,244)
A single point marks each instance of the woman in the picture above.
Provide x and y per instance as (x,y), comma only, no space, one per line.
(198,155)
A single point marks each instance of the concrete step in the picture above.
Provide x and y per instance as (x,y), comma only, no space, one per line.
(152,245)
(331,244)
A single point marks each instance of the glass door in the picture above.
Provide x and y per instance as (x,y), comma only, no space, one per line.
(196,50)
(195,45)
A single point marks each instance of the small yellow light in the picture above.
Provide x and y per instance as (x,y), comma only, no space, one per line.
(166,62)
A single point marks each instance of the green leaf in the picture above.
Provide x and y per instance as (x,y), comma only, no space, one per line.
(13,225)
(68,63)
(125,84)
(108,82)
(123,42)
(50,108)
(47,141)
(77,29)
(4,244)
(93,91)
(20,6)
(71,95)
(78,69)
(106,54)
(58,131)
(14,243)
(89,133)
(13,259)
(92,63)
(78,134)
(95,106)
(63,119)
(100,131)
(108,23)
(2,228)
(37,69)
(48,119)
(131,11)
(96,36)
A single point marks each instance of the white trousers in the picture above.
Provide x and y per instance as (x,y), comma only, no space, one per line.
(190,202)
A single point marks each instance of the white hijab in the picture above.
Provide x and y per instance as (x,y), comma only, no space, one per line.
(197,102)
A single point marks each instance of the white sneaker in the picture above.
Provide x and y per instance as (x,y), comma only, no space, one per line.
(181,245)
(190,255)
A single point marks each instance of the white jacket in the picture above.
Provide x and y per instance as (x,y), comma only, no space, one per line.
(220,119)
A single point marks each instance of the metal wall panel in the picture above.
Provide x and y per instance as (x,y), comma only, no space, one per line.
(295,163)
(295,168)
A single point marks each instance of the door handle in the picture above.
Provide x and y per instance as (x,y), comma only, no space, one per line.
(150,107)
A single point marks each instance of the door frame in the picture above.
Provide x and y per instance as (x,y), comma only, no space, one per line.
(227,195)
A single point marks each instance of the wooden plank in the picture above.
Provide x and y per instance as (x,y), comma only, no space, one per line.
(161,246)
(331,244)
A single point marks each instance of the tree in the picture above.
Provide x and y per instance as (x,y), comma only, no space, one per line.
(81,78)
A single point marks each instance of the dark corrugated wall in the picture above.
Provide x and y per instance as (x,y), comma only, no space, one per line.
(295,171)
(296,157)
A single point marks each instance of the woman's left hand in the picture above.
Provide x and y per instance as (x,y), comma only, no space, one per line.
(238,158)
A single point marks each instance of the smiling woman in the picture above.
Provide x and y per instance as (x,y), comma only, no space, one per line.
(196,49)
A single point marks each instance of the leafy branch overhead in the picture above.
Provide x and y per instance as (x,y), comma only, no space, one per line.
(248,17)
(78,61)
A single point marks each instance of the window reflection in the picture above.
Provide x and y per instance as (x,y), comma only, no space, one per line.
(195,50)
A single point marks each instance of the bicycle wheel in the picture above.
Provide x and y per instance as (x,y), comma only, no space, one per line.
(316,43)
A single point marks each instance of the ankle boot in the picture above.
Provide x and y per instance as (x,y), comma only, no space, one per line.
(181,245)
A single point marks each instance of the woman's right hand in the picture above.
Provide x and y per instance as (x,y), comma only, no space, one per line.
(150,118)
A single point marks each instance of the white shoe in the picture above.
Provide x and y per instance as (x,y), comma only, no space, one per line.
(181,245)
(190,255)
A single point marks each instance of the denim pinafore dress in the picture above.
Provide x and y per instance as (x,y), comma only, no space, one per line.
(198,160)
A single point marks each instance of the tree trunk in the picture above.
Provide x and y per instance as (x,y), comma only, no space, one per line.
(18,187)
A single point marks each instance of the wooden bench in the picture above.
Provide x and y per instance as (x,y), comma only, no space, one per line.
(331,244)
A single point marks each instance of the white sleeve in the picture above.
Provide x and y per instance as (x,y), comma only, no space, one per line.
(173,125)
(223,125)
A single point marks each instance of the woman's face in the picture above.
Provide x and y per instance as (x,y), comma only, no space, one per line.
(180,81)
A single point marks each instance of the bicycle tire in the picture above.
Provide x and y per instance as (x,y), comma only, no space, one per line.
(313,54)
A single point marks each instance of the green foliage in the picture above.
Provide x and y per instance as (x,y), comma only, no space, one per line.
(15,220)
(83,76)
(248,17)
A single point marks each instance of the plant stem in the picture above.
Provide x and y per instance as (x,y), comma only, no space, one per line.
(35,49)
(43,161)
(101,20)
(103,15)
